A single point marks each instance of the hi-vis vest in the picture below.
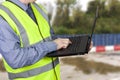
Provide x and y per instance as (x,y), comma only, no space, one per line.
(30,33)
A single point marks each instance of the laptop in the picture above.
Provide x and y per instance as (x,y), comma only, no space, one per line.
(80,44)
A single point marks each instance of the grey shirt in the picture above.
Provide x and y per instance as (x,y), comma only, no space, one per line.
(10,48)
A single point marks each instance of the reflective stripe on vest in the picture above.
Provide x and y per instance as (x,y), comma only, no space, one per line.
(20,27)
(36,28)
(42,12)
(24,36)
(34,71)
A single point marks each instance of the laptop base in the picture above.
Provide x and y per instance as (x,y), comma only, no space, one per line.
(80,46)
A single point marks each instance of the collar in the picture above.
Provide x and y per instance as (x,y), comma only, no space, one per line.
(20,4)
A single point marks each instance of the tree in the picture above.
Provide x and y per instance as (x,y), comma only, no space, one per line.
(114,6)
(63,11)
(93,5)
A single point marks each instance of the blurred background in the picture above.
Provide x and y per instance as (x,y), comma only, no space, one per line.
(75,17)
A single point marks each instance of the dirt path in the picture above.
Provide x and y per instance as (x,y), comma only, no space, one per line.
(88,67)
(91,67)
(3,76)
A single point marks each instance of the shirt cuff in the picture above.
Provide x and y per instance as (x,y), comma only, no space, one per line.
(52,46)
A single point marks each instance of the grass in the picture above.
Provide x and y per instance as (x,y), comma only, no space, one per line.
(90,66)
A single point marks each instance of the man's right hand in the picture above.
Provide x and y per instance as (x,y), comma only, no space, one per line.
(62,43)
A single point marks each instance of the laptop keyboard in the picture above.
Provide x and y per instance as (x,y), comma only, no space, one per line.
(75,47)
(79,44)
(78,47)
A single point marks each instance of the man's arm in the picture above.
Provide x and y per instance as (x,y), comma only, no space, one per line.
(16,56)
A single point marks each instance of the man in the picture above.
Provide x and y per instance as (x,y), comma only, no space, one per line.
(25,40)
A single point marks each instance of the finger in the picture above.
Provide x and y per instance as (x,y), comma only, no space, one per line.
(91,45)
(67,41)
(70,42)
(65,46)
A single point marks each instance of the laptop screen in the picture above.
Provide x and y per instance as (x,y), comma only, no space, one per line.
(94,23)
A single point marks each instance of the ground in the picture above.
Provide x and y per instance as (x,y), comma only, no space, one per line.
(91,67)
(94,66)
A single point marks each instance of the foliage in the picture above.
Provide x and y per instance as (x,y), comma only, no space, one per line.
(63,12)
(70,19)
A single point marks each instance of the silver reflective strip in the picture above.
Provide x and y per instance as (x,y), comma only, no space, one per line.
(48,39)
(45,40)
(35,71)
(41,11)
(23,33)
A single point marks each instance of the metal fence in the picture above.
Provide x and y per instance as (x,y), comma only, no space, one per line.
(106,39)
(102,39)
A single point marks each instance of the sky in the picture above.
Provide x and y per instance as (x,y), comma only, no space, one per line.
(84,4)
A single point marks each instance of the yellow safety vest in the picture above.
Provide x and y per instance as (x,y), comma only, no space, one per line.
(30,33)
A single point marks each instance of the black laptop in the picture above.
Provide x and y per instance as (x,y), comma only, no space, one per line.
(80,44)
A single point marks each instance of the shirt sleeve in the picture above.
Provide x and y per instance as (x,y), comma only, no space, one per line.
(16,56)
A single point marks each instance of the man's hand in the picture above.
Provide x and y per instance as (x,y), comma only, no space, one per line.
(62,43)
(91,45)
